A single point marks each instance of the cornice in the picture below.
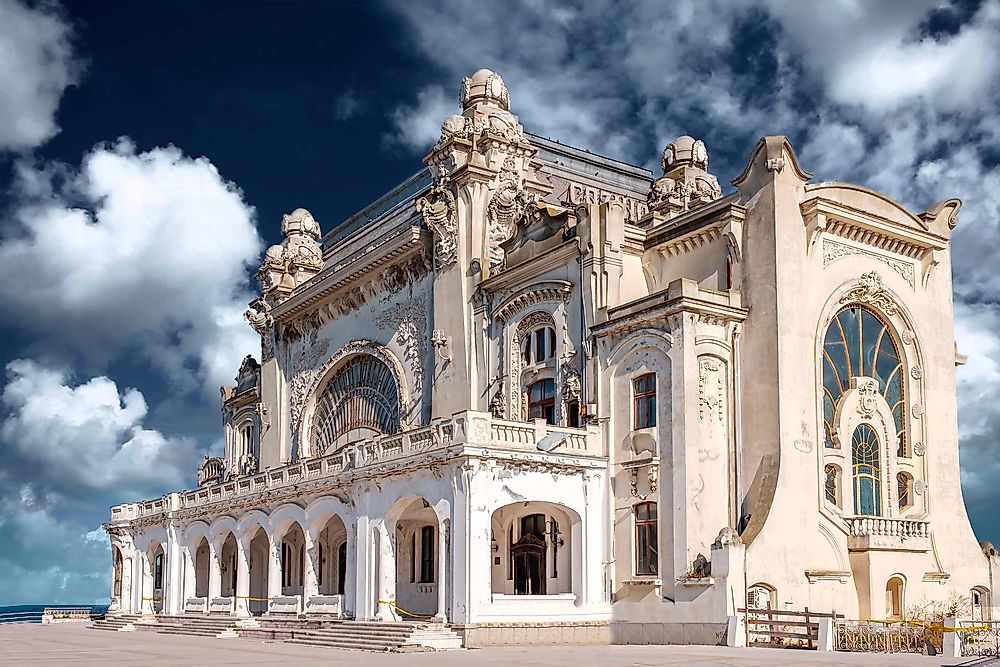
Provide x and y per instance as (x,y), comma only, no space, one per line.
(524,271)
(326,284)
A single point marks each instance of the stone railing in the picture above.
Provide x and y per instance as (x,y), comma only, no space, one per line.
(470,429)
(885,533)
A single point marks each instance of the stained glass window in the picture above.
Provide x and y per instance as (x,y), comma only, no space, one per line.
(904,487)
(361,396)
(867,471)
(859,344)
(832,493)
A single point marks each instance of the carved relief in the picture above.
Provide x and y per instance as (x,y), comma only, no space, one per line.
(410,323)
(686,183)
(297,259)
(259,317)
(833,250)
(498,405)
(916,372)
(508,206)
(919,448)
(388,280)
(871,291)
(440,214)
(867,391)
(711,387)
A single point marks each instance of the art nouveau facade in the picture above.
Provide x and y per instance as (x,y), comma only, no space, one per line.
(542,394)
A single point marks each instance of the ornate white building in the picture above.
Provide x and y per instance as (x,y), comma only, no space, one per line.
(548,396)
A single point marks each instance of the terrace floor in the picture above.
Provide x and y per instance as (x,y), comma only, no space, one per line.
(74,644)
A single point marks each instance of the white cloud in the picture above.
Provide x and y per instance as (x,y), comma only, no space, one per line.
(88,438)
(871,55)
(135,252)
(36,66)
(47,560)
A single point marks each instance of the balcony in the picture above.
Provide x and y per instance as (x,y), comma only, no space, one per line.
(465,433)
(873,533)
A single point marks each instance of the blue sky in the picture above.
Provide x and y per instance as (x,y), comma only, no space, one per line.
(147,152)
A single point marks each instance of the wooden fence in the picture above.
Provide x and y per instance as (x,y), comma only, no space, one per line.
(784,628)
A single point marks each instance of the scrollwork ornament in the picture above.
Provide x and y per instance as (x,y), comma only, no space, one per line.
(908,337)
(916,372)
(870,290)
(917,411)
(919,448)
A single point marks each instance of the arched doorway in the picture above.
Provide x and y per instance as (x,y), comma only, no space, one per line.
(292,559)
(202,557)
(331,575)
(894,597)
(532,549)
(417,553)
(259,555)
(154,579)
(228,566)
(116,585)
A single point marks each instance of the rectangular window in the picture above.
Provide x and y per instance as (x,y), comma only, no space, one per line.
(542,401)
(644,394)
(646,554)
(533,524)
(413,558)
(573,414)
(427,555)
(158,571)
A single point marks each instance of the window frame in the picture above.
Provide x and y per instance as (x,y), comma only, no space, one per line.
(646,534)
(547,404)
(427,535)
(644,401)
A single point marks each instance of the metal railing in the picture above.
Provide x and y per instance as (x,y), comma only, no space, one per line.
(980,638)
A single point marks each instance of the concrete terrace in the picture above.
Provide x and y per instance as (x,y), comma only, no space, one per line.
(75,644)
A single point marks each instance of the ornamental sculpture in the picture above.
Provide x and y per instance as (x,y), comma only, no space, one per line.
(871,291)
(686,183)
(297,259)
(440,214)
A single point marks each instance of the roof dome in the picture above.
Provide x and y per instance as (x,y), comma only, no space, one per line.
(485,87)
(685,151)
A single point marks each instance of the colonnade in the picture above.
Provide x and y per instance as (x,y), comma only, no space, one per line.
(295,559)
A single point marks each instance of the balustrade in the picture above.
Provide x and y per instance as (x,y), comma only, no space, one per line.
(889,533)
(469,428)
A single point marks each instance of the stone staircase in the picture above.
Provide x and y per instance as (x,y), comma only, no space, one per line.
(196,626)
(356,635)
(114,623)
(328,632)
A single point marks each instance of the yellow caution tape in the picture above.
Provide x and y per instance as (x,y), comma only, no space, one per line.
(928,626)
(403,611)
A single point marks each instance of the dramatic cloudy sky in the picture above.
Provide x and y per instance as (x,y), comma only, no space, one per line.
(148,150)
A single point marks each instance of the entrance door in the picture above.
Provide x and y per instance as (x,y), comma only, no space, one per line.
(529,565)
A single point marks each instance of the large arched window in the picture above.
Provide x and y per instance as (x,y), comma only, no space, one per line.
(867,471)
(859,344)
(360,401)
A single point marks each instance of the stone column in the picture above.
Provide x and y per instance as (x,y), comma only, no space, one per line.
(146,593)
(242,603)
(442,571)
(274,568)
(386,573)
(190,579)
(214,570)
(310,582)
